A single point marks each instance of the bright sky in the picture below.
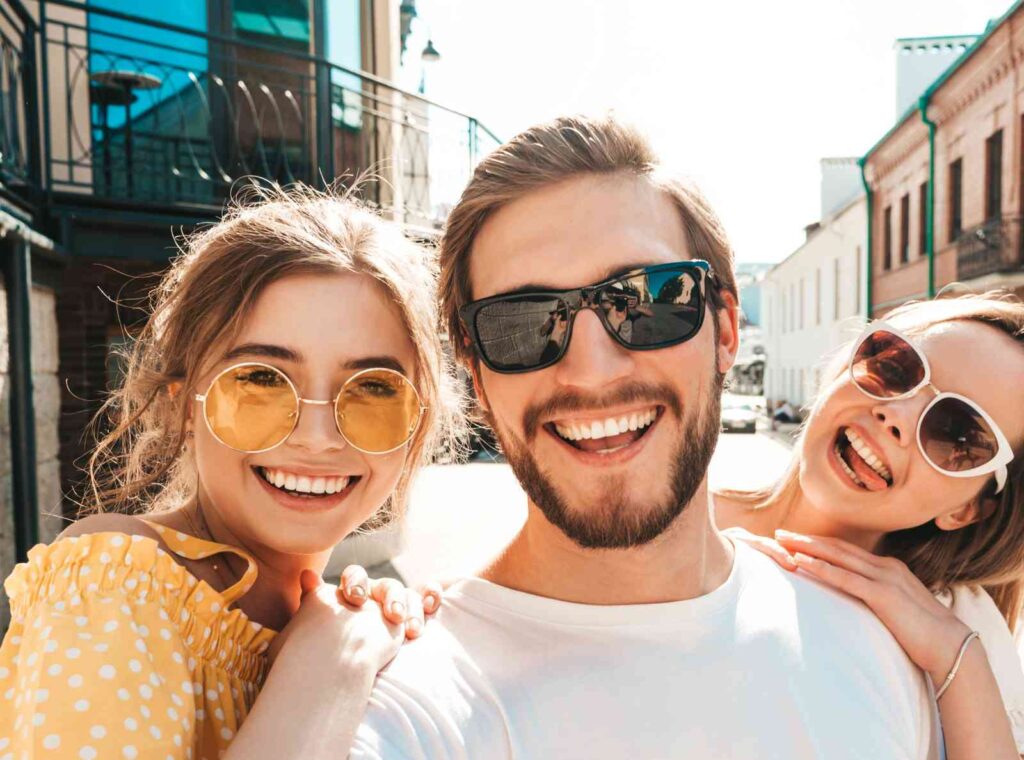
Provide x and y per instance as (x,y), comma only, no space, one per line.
(744,96)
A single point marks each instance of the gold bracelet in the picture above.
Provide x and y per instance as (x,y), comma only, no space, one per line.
(956,665)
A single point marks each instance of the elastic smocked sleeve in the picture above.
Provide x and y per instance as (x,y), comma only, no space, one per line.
(93,665)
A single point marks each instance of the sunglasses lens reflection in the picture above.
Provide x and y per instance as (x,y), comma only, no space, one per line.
(955,437)
(653,308)
(378,410)
(251,407)
(886,366)
(522,332)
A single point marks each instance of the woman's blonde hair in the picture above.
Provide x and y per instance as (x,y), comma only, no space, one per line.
(987,553)
(140,463)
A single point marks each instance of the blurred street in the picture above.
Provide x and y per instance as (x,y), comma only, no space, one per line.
(462,515)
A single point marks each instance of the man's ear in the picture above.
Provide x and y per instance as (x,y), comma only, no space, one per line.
(963,516)
(728,331)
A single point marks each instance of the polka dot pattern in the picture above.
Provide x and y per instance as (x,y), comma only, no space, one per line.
(116,650)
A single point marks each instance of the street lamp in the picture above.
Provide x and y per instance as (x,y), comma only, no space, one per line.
(430,54)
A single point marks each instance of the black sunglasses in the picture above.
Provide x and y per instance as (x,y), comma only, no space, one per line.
(645,309)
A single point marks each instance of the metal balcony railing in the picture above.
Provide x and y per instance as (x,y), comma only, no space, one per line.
(990,248)
(141,112)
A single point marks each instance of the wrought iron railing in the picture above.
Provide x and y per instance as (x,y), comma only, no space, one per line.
(19,143)
(139,111)
(990,248)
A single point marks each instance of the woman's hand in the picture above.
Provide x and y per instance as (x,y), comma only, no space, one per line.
(362,622)
(763,544)
(929,633)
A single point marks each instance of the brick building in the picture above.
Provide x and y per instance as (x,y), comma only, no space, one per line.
(944,184)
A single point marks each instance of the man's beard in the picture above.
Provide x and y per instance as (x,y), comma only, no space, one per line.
(619,522)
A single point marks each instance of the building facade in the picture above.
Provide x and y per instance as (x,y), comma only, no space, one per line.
(945,182)
(121,121)
(813,303)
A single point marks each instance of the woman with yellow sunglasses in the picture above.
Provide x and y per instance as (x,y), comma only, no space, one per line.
(284,391)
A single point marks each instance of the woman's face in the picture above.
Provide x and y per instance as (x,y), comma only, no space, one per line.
(319,329)
(975,360)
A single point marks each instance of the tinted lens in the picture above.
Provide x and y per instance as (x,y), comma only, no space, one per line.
(955,437)
(251,407)
(378,410)
(885,366)
(652,309)
(522,332)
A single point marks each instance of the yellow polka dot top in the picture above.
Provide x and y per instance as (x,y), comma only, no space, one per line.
(117,651)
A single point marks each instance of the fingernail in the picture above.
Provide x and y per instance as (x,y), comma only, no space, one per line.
(414,626)
(430,603)
(780,533)
(802,559)
(397,609)
(358,592)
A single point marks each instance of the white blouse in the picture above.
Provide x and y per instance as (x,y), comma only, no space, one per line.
(975,608)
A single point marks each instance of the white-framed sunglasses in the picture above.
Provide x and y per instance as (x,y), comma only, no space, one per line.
(253,407)
(954,434)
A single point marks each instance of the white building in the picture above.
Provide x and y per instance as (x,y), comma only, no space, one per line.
(813,301)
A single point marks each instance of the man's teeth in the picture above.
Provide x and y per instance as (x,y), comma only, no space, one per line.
(575,431)
(303,484)
(869,456)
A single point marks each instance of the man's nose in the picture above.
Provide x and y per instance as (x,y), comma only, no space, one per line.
(594,359)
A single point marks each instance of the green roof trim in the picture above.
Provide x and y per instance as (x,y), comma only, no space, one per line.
(945,75)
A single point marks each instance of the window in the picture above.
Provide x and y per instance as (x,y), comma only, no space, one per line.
(994,176)
(905,228)
(856,277)
(887,240)
(817,297)
(801,303)
(956,198)
(835,281)
(922,219)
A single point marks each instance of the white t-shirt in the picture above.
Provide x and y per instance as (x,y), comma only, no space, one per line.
(768,665)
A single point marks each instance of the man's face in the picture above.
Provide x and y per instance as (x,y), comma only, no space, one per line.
(611,444)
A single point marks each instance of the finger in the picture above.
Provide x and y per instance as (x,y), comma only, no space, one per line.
(838,553)
(844,580)
(430,596)
(308,582)
(354,587)
(390,595)
(413,614)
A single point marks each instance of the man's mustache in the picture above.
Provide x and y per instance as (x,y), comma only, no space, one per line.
(569,402)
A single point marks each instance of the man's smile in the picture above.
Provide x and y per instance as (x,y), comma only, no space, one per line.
(608,433)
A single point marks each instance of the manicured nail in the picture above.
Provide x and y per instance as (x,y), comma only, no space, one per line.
(803,559)
(780,533)
(414,626)
(357,592)
(397,609)
(430,603)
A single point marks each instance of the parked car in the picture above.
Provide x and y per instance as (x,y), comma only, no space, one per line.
(739,416)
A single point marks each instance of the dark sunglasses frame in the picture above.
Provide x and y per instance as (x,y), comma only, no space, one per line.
(587,297)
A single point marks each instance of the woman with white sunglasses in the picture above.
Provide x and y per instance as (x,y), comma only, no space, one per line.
(906,490)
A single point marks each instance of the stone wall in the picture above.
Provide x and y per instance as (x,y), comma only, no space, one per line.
(47,412)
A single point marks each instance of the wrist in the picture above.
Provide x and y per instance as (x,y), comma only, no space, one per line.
(945,649)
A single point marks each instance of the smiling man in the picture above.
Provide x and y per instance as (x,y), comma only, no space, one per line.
(619,622)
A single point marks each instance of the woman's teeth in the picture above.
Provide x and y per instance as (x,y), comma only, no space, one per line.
(575,431)
(289,481)
(869,456)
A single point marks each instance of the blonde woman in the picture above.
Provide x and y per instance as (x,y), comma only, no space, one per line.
(907,490)
(284,391)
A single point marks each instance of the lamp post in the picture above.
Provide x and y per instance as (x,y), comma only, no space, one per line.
(428,56)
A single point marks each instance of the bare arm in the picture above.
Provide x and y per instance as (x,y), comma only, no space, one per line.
(974,719)
(318,687)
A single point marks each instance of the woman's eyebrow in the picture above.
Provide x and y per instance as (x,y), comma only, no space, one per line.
(373,362)
(266,350)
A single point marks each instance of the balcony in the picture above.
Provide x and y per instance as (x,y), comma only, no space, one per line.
(992,248)
(115,110)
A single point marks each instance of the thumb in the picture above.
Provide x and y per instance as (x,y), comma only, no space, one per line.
(309,581)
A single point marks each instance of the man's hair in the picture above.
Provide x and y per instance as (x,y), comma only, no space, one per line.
(546,154)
